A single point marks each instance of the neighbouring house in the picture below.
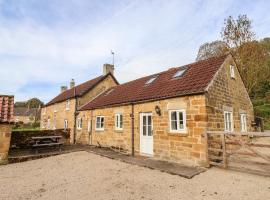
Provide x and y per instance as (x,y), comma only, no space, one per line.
(61,111)
(26,115)
(164,115)
(6,119)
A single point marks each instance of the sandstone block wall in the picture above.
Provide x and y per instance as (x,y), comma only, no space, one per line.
(5,134)
(56,114)
(186,146)
(226,93)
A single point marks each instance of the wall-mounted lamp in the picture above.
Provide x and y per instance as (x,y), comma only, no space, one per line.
(158,111)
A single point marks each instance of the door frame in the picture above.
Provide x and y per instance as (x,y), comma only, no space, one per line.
(141,132)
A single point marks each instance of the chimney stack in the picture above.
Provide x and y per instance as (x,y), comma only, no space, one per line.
(108,68)
(63,88)
(72,83)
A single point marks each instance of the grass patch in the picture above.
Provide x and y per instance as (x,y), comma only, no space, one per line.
(26,129)
(262,109)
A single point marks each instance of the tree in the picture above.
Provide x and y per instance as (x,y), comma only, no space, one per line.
(211,49)
(237,32)
(250,56)
(34,103)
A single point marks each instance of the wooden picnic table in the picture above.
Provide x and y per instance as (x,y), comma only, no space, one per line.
(43,141)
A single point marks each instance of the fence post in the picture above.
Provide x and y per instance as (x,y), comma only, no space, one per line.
(206,149)
(222,135)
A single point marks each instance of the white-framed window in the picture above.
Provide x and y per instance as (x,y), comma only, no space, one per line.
(100,123)
(232,73)
(177,121)
(67,104)
(89,126)
(118,121)
(79,123)
(65,124)
(243,122)
(228,121)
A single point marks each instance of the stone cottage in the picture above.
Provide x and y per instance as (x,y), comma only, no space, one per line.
(61,111)
(164,115)
(6,119)
(26,115)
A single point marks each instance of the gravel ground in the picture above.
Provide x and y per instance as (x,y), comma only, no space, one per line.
(83,175)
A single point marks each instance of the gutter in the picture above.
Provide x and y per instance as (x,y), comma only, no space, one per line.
(75,117)
(132,130)
(91,128)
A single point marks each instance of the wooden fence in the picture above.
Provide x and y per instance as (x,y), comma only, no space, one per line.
(225,148)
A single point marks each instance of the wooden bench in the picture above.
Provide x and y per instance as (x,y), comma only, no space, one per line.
(46,141)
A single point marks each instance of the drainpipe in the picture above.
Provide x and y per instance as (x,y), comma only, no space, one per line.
(91,128)
(75,117)
(132,129)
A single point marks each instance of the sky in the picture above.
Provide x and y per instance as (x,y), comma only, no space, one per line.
(46,43)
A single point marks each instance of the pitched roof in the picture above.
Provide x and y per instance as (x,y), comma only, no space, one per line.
(194,80)
(23,111)
(6,108)
(79,90)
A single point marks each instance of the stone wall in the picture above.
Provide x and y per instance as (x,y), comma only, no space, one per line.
(186,146)
(5,133)
(53,116)
(228,94)
(22,139)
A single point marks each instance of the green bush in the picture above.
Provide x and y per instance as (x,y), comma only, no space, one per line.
(258,102)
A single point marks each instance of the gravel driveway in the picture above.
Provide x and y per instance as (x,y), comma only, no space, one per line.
(83,175)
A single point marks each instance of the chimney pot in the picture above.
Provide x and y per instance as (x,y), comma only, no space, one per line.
(72,83)
(108,68)
(63,88)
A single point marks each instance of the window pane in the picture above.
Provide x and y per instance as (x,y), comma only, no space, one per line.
(144,130)
(173,116)
(149,130)
(180,116)
(116,121)
(121,121)
(174,125)
(181,125)
(149,120)
(101,122)
(144,120)
(181,120)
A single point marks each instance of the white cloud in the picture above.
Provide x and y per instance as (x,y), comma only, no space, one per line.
(48,46)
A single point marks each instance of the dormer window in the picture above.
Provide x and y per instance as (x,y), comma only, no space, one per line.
(232,71)
(151,80)
(179,73)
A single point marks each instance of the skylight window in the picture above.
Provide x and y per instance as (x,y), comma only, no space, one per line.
(151,80)
(179,73)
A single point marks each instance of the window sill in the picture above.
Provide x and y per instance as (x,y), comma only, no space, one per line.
(99,130)
(179,133)
(118,130)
